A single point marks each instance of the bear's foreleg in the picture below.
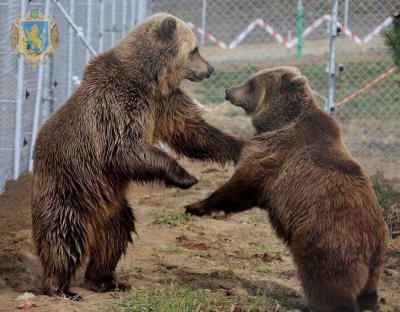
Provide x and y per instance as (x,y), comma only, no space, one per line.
(238,194)
(110,244)
(199,140)
(144,163)
(190,135)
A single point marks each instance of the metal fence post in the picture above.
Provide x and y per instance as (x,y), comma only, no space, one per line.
(113,27)
(38,99)
(124,5)
(77,29)
(52,84)
(101,26)
(18,108)
(330,102)
(203,20)
(70,48)
(346,13)
(300,24)
(142,10)
(88,27)
(133,12)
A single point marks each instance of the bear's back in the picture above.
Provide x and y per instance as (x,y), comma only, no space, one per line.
(64,140)
(318,184)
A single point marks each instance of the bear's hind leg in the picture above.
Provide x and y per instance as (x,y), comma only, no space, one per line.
(107,250)
(61,250)
(331,299)
(368,298)
(327,292)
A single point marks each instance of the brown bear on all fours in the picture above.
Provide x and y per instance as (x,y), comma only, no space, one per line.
(318,198)
(103,137)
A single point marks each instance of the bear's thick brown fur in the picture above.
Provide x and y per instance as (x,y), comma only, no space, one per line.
(103,137)
(319,200)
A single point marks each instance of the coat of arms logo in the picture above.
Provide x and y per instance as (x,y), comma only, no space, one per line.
(34,36)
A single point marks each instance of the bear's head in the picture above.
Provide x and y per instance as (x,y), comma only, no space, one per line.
(272,97)
(163,49)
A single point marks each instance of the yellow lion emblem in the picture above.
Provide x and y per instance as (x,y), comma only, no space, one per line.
(34,36)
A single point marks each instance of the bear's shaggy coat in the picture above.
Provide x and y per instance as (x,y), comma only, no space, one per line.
(319,200)
(103,137)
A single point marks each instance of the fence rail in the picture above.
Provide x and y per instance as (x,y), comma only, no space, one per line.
(238,37)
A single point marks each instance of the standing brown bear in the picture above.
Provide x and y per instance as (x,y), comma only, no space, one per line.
(319,200)
(102,138)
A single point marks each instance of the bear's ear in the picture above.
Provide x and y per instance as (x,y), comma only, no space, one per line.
(168,27)
(290,82)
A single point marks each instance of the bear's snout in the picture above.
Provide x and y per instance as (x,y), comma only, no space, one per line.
(228,94)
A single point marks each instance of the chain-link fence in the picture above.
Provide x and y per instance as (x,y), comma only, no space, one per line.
(238,37)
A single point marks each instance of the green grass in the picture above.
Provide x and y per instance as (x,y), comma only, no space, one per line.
(264,269)
(258,247)
(222,274)
(203,255)
(180,298)
(256,219)
(385,191)
(173,217)
(233,111)
(221,80)
(170,250)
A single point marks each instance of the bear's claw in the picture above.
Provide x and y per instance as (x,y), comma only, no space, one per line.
(197,209)
(108,286)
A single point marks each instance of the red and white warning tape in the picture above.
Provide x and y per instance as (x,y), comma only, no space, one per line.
(368,37)
(243,34)
(208,36)
(290,44)
(281,39)
(268,28)
(367,86)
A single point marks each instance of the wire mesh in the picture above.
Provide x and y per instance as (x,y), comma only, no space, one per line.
(8,81)
(241,37)
(238,37)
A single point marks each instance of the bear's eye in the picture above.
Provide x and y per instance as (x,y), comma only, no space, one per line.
(194,51)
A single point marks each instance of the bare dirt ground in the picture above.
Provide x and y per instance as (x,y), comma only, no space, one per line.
(232,256)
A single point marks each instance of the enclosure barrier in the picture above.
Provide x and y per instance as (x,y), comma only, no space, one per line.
(238,37)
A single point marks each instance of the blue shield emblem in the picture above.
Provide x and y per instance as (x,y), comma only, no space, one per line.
(36,36)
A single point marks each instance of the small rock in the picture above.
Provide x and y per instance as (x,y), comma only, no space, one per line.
(25,296)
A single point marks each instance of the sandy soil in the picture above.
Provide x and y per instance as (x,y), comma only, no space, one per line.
(242,245)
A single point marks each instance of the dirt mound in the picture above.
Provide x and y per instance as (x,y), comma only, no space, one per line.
(18,266)
(14,207)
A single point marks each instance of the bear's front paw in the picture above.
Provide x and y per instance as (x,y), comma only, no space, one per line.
(188,182)
(184,180)
(197,209)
